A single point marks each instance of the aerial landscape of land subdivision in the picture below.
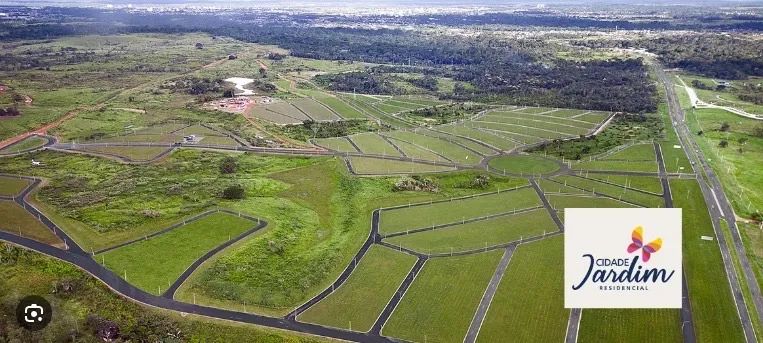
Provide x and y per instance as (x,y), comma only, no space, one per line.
(387,171)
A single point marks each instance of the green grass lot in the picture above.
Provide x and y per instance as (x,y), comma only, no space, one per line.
(414,217)
(563,113)
(675,158)
(372,143)
(628,325)
(417,152)
(524,164)
(314,109)
(336,143)
(644,183)
(529,303)
(486,137)
(479,234)
(713,309)
(642,166)
(639,152)
(560,202)
(153,264)
(480,148)
(341,108)
(33,273)
(376,166)
(432,310)
(522,129)
(537,110)
(549,186)
(450,150)
(16,220)
(10,186)
(135,153)
(32,142)
(360,300)
(546,118)
(536,122)
(617,192)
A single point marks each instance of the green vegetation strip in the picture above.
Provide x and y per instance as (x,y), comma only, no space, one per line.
(433,310)
(524,164)
(715,315)
(154,264)
(529,303)
(358,302)
(627,325)
(414,217)
(617,192)
(479,234)
(378,166)
(18,221)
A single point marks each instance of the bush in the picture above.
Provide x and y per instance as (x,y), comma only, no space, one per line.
(234,192)
(758,131)
(228,165)
(725,126)
(724,143)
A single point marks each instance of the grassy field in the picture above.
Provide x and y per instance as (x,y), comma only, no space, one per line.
(398,220)
(372,143)
(643,166)
(617,192)
(33,273)
(18,221)
(638,152)
(451,151)
(524,164)
(28,143)
(486,137)
(479,234)
(10,186)
(154,264)
(644,183)
(135,153)
(713,309)
(377,166)
(628,325)
(360,300)
(336,143)
(432,310)
(417,152)
(529,303)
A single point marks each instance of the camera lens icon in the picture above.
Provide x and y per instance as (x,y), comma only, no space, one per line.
(34,313)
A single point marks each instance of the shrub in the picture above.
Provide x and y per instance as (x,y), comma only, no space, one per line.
(234,192)
(724,143)
(228,165)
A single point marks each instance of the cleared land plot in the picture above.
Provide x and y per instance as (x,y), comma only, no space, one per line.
(489,138)
(524,164)
(522,129)
(314,109)
(536,123)
(198,130)
(263,112)
(638,152)
(154,264)
(549,186)
(560,202)
(31,142)
(135,153)
(644,183)
(546,118)
(642,166)
(536,110)
(440,304)
(417,152)
(713,310)
(450,150)
(423,101)
(286,109)
(529,303)
(567,113)
(218,140)
(360,300)
(336,143)
(377,166)
(364,104)
(10,186)
(478,234)
(372,143)
(593,117)
(627,325)
(342,108)
(16,220)
(622,193)
(475,146)
(163,128)
(414,217)
(142,138)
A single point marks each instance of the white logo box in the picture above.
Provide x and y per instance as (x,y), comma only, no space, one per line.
(605,233)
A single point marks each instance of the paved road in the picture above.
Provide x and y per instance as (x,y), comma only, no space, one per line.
(718,207)
(487,297)
(573,325)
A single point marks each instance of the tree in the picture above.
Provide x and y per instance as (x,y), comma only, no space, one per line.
(228,165)
(724,143)
(234,192)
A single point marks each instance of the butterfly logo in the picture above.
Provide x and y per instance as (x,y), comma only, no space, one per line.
(638,243)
